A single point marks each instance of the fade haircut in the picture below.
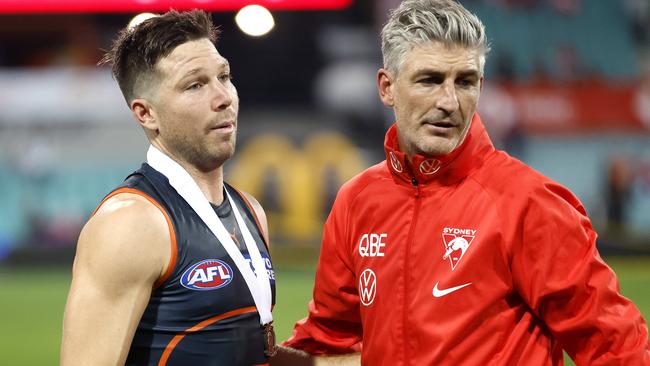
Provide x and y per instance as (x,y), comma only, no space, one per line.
(416,22)
(136,49)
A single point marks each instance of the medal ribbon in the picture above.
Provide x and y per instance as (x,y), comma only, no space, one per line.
(258,281)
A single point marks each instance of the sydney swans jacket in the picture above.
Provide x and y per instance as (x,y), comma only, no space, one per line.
(472,259)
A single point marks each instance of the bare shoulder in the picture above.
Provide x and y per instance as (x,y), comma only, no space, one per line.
(259,212)
(256,205)
(122,251)
(128,236)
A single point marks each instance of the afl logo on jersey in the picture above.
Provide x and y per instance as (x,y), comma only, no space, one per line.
(207,275)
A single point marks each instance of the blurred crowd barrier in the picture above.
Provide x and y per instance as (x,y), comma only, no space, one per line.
(567,91)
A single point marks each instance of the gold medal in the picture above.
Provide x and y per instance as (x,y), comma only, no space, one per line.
(270,348)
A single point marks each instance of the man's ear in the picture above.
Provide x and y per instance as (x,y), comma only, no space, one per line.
(143,112)
(481,81)
(385,84)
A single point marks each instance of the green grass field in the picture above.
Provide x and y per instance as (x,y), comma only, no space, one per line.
(32,301)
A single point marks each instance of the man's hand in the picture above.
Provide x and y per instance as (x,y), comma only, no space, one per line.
(293,357)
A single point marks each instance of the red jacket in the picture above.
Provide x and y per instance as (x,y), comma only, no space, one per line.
(473,259)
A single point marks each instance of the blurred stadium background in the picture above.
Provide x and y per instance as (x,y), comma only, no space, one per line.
(567,91)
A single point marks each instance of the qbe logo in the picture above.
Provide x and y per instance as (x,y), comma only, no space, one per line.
(367,287)
(372,245)
(209,274)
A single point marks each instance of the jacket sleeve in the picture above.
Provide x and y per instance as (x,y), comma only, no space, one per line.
(557,270)
(333,325)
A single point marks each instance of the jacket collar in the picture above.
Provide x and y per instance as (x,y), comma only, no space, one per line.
(445,169)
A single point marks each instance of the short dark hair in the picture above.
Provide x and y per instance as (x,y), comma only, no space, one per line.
(136,50)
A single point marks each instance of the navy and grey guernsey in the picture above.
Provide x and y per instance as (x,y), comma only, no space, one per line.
(202,312)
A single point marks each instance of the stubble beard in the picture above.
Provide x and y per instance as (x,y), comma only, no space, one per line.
(205,156)
(429,145)
(439,146)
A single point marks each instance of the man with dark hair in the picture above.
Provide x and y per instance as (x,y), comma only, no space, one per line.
(173,266)
(451,252)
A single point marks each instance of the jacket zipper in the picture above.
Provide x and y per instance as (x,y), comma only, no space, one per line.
(414,182)
(416,211)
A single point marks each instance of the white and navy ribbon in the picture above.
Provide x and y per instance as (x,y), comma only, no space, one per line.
(258,281)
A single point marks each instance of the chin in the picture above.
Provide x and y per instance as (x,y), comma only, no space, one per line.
(224,154)
(439,148)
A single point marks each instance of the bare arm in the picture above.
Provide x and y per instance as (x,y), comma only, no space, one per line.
(123,249)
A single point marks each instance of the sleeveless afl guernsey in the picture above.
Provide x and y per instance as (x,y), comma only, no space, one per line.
(201,311)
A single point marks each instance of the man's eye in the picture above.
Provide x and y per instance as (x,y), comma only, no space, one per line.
(195,86)
(430,80)
(225,77)
(465,82)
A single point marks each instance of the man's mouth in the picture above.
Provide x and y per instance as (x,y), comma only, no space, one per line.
(224,127)
(441,124)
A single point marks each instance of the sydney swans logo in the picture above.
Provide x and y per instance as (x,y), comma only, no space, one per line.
(457,241)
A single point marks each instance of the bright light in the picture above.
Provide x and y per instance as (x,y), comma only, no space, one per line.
(140,18)
(254,20)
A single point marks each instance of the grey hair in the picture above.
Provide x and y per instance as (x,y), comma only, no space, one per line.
(416,22)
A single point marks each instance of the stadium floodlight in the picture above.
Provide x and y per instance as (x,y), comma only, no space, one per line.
(139,19)
(255,20)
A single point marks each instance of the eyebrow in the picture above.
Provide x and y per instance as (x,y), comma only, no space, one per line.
(197,70)
(469,73)
(460,74)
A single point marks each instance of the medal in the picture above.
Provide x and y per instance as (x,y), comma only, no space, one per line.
(270,348)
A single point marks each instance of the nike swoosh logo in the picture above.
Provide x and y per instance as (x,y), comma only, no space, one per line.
(440,293)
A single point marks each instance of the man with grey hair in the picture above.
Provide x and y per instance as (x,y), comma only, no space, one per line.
(431,258)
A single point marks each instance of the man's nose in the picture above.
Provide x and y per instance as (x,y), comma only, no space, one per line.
(222,98)
(447,100)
